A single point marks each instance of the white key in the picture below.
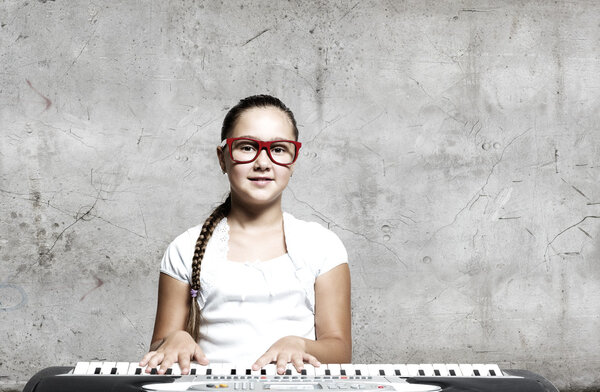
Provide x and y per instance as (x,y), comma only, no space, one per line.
(241,370)
(122,367)
(400,370)
(133,367)
(440,369)
(81,368)
(466,369)
(270,369)
(320,370)
(107,367)
(334,369)
(347,369)
(453,370)
(493,370)
(310,370)
(413,369)
(362,368)
(93,368)
(200,370)
(227,369)
(292,370)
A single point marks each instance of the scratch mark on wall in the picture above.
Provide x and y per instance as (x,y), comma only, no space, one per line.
(549,244)
(580,192)
(585,232)
(256,36)
(555,160)
(529,231)
(48,101)
(99,283)
(330,222)
(350,10)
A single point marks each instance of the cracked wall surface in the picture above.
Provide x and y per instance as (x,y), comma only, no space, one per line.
(453,146)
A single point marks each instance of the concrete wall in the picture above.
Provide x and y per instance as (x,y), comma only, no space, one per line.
(453,146)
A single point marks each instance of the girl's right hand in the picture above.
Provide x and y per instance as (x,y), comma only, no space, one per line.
(178,347)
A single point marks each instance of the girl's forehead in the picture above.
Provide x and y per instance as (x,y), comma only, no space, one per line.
(266,123)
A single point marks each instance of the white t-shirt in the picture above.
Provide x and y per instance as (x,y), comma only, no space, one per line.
(248,306)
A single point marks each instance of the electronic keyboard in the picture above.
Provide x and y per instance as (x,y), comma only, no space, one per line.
(222,377)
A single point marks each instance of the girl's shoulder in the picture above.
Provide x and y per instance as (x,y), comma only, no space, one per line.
(303,233)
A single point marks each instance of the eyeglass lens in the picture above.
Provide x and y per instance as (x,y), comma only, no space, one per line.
(246,150)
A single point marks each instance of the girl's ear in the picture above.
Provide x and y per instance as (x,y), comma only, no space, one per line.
(220,155)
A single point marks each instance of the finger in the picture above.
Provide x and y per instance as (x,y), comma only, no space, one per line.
(184,363)
(281,364)
(154,361)
(297,361)
(263,360)
(312,360)
(199,356)
(146,358)
(166,364)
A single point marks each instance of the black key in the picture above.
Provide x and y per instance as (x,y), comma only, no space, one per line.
(208,372)
(263,372)
(327,372)
(97,371)
(154,371)
(358,372)
(436,372)
(476,372)
(233,371)
(288,372)
(193,372)
(421,372)
(492,372)
(381,372)
(113,371)
(303,372)
(169,371)
(138,371)
(343,372)
(397,372)
(452,372)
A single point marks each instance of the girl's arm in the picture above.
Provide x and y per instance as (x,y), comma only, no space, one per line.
(332,324)
(170,342)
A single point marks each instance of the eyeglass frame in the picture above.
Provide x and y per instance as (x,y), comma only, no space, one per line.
(261,146)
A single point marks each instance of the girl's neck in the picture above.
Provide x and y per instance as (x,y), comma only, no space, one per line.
(246,217)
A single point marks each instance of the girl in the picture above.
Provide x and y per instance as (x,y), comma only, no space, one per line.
(254,285)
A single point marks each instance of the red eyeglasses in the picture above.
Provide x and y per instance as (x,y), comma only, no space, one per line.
(246,150)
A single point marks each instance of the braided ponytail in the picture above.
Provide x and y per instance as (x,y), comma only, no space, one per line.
(194,317)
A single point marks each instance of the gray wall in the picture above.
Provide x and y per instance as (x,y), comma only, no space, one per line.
(453,146)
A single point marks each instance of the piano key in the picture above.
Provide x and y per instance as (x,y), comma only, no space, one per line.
(466,369)
(320,370)
(271,369)
(199,370)
(400,370)
(310,369)
(440,370)
(453,370)
(347,369)
(94,368)
(134,367)
(334,369)
(361,368)
(122,368)
(81,368)
(107,367)
(227,369)
(493,370)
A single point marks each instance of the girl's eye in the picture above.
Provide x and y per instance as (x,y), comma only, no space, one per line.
(246,147)
(279,149)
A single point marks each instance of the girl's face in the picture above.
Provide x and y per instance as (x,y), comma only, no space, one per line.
(259,182)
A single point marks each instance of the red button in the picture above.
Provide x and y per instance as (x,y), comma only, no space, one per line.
(380,386)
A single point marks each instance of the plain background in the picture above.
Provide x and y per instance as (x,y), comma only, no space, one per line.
(452,145)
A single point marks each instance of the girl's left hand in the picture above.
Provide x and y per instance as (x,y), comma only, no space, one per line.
(285,350)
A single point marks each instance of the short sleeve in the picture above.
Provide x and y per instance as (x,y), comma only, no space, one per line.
(332,250)
(177,259)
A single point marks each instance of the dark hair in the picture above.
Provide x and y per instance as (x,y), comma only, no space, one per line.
(255,101)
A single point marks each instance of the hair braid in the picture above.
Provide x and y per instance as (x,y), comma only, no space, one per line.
(194,318)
